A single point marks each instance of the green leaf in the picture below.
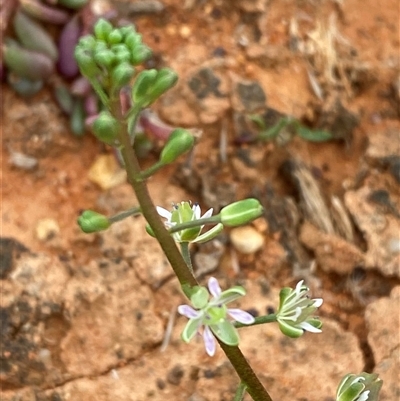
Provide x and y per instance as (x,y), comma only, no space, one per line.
(313,135)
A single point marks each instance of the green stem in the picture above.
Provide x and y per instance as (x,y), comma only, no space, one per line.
(186,255)
(168,245)
(123,215)
(259,320)
(194,223)
(240,392)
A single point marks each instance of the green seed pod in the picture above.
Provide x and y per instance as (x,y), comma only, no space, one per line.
(241,212)
(105,128)
(140,53)
(121,75)
(142,85)
(166,79)
(179,142)
(33,36)
(74,4)
(86,64)
(25,63)
(115,37)
(102,29)
(105,58)
(92,222)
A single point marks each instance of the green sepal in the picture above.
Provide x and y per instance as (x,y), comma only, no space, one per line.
(105,128)
(241,212)
(190,329)
(141,86)
(91,222)
(231,294)
(102,29)
(315,322)
(283,296)
(352,392)
(189,234)
(179,142)
(199,298)
(290,331)
(209,235)
(226,332)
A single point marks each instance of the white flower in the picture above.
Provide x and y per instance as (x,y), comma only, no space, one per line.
(183,213)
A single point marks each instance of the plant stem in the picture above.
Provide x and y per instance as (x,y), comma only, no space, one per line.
(259,320)
(168,245)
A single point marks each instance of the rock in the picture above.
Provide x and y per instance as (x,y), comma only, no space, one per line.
(247,96)
(380,145)
(106,172)
(252,6)
(380,230)
(246,239)
(10,249)
(332,253)
(383,322)
(47,229)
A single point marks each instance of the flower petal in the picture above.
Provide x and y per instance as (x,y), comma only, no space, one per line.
(207,214)
(241,316)
(309,327)
(196,211)
(164,213)
(209,341)
(213,287)
(188,312)
(317,302)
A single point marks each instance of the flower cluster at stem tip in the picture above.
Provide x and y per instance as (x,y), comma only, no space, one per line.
(211,316)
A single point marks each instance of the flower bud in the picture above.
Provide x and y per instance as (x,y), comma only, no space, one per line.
(102,29)
(142,85)
(105,58)
(87,42)
(105,128)
(179,142)
(114,37)
(86,64)
(362,387)
(241,212)
(140,53)
(91,222)
(133,40)
(122,74)
(166,79)
(122,53)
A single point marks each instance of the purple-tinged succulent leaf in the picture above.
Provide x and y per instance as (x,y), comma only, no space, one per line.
(154,126)
(64,98)
(26,63)
(33,36)
(74,4)
(43,12)
(69,37)
(80,87)
(24,87)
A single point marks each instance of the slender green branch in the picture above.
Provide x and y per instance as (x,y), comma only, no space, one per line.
(240,392)
(194,223)
(259,320)
(123,215)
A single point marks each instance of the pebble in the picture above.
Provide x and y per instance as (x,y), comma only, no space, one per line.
(246,239)
(106,172)
(47,229)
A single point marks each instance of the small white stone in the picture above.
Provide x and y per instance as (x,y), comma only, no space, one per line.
(47,229)
(246,239)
